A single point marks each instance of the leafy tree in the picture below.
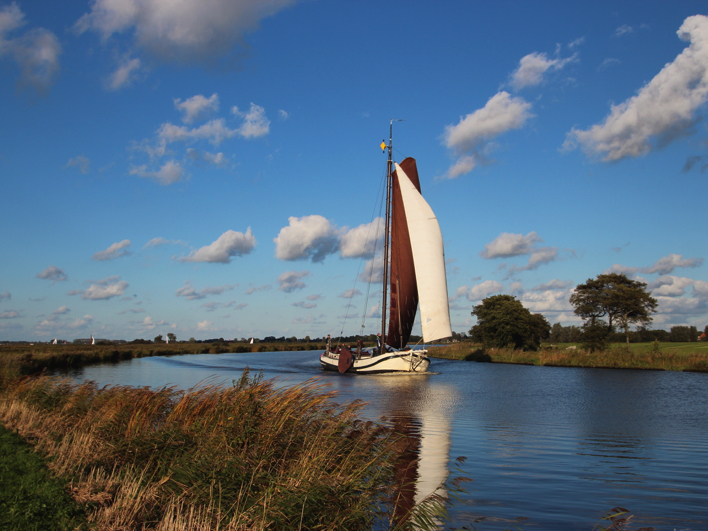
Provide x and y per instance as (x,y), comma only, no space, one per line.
(614,296)
(502,321)
(683,334)
(171,337)
(158,339)
(595,335)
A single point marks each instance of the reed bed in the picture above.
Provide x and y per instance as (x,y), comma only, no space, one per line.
(248,456)
(665,356)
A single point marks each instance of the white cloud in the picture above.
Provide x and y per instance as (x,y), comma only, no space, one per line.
(255,123)
(125,74)
(508,244)
(188,31)
(554,284)
(548,301)
(230,243)
(669,286)
(290,281)
(36,51)
(373,270)
(170,172)
(9,314)
(309,237)
(214,131)
(470,137)
(61,310)
(663,110)
(5,295)
(114,251)
(486,288)
(52,273)
(188,292)
(196,106)
(533,66)
(104,289)
(663,266)
(350,293)
(205,326)
(624,29)
(667,264)
(265,287)
(362,241)
(460,292)
(305,305)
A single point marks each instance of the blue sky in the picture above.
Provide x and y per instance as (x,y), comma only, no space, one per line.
(211,168)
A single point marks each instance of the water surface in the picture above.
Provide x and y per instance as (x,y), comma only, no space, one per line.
(559,446)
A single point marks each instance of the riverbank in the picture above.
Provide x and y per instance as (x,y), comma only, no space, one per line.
(660,356)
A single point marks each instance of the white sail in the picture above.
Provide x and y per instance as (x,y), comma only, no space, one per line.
(429,261)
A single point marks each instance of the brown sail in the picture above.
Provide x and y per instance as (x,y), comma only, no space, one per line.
(404,291)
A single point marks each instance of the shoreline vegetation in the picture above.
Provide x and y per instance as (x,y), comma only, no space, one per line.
(248,456)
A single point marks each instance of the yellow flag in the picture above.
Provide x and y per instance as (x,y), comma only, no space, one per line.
(383,146)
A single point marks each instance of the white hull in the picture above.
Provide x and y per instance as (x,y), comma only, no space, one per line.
(396,361)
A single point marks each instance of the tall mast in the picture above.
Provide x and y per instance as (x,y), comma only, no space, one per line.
(387,234)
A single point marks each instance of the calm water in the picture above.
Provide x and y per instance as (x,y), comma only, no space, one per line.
(558,446)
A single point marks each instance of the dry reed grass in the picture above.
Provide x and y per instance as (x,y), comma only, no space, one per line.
(250,456)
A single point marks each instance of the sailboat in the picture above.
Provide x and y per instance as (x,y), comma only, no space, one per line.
(414,273)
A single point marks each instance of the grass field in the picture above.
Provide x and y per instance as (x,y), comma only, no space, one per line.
(659,356)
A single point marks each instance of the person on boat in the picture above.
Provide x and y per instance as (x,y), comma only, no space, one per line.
(329,344)
(359,347)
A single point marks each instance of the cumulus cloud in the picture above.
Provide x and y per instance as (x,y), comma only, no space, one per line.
(229,244)
(362,241)
(181,32)
(624,29)
(35,51)
(485,289)
(373,270)
(52,273)
(554,284)
(662,111)
(669,286)
(103,289)
(9,314)
(508,244)
(533,66)
(291,281)
(548,301)
(196,106)
(255,124)
(469,139)
(306,238)
(190,293)
(305,305)
(170,172)
(114,251)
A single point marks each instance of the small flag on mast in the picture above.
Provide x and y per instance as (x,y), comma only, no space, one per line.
(383,146)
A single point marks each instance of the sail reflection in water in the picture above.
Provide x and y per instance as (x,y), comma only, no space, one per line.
(559,446)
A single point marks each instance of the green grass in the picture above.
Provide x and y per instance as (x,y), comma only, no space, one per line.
(30,496)
(662,356)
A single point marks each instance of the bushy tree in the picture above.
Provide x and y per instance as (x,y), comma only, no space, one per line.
(171,337)
(502,321)
(622,301)
(158,339)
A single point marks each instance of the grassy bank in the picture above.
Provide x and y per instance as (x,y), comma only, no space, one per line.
(244,457)
(661,356)
(18,360)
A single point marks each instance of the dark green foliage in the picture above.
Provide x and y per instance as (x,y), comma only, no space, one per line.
(683,334)
(502,321)
(595,335)
(613,296)
(564,334)
(30,498)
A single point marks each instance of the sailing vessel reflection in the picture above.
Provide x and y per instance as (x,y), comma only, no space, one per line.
(421,412)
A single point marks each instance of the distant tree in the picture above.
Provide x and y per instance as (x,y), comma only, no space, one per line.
(502,321)
(612,295)
(683,334)
(171,337)
(307,339)
(594,335)
(158,339)
(693,333)
(192,340)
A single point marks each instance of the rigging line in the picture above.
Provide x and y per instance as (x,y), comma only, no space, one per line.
(379,201)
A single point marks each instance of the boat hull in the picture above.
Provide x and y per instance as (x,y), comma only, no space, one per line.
(397,361)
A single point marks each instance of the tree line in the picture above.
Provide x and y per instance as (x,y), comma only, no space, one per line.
(609,306)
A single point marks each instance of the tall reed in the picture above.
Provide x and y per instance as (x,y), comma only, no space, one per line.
(248,456)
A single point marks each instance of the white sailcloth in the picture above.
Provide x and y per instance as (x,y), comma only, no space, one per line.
(428,260)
